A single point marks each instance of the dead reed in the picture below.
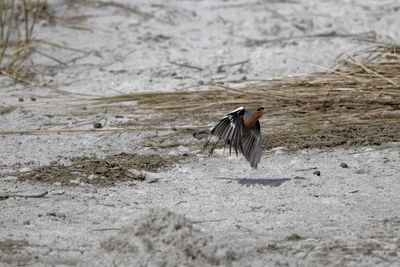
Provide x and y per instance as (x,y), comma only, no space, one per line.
(17,24)
(356,103)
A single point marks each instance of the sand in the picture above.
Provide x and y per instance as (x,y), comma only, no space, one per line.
(303,208)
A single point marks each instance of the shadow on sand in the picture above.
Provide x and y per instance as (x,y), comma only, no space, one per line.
(262,181)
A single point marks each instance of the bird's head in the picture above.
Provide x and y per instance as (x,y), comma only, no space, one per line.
(258,112)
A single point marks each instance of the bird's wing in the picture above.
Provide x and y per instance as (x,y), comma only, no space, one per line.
(252,146)
(229,129)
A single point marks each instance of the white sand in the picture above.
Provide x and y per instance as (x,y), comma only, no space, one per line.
(281,214)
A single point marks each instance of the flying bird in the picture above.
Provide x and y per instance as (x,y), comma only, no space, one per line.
(240,129)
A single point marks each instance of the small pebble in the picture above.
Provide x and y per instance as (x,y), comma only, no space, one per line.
(75,181)
(294,237)
(20,99)
(344,165)
(33,98)
(25,169)
(317,173)
(131,183)
(97,125)
(153,180)
(58,192)
(392,254)
(135,172)
(57,214)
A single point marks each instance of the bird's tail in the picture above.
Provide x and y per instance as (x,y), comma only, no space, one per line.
(201,134)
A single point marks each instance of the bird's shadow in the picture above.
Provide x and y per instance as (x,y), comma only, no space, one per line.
(262,181)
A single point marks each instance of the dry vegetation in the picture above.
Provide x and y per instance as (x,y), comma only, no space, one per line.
(357,103)
(17,24)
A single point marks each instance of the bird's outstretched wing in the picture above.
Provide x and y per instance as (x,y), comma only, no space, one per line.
(252,146)
(229,129)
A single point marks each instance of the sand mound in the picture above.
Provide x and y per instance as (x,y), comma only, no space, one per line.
(164,238)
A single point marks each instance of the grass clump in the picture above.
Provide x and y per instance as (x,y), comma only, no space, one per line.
(17,23)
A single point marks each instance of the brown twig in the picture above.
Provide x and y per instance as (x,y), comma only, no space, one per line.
(77,130)
(208,221)
(241,63)
(8,195)
(105,229)
(185,65)
(332,34)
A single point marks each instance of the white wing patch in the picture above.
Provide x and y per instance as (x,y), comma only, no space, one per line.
(237,110)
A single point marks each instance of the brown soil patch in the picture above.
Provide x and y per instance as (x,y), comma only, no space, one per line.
(335,137)
(10,245)
(6,110)
(101,172)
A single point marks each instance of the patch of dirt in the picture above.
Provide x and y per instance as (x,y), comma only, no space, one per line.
(13,252)
(349,136)
(6,110)
(344,136)
(164,238)
(354,252)
(100,172)
(10,245)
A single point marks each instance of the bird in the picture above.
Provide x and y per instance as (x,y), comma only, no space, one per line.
(241,130)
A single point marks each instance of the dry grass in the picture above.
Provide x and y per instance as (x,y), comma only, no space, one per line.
(17,24)
(357,103)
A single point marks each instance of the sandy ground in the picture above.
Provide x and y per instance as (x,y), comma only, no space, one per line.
(208,211)
(281,214)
